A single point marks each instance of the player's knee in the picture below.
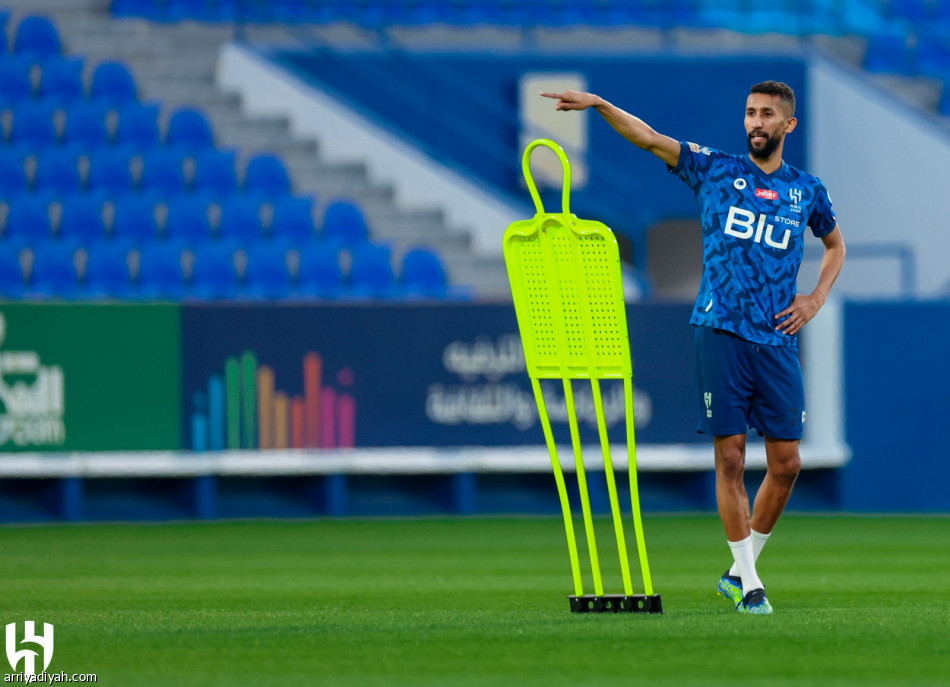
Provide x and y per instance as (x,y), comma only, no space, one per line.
(787,468)
(730,462)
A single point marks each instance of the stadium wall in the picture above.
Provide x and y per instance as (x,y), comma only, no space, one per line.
(288,410)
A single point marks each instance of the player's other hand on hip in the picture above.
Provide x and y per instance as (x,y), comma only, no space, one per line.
(572,100)
(794,317)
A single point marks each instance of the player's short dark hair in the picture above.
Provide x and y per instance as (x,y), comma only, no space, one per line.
(779,88)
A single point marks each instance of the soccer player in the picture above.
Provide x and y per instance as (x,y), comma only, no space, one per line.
(754,210)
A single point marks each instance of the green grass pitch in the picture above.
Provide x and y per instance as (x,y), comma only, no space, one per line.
(480,601)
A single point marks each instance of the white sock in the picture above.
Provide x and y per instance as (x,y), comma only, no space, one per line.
(745,560)
(758,543)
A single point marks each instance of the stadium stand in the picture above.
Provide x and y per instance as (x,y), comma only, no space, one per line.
(123,128)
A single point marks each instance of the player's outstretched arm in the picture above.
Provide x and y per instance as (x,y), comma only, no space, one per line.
(803,307)
(631,128)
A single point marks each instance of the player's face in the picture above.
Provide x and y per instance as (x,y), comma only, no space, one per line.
(766,123)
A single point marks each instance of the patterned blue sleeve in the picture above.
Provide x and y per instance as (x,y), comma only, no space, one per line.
(693,163)
(822,219)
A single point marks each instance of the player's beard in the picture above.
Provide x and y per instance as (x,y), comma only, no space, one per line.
(765,152)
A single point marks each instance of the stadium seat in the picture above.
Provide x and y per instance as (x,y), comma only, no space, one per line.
(107,271)
(85,128)
(265,174)
(213,275)
(160,274)
(163,172)
(133,220)
(32,126)
(113,84)
(36,38)
(933,55)
(12,174)
(890,52)
(422,274)
(189,129)
(81,219)
(240,220)
(57,172)
(28,220)
(54,271)
(293,219)
(371,274)
(137,129)
(11,273)
(214,173)
(110,172)
(319,274)
(61,82)
(343,221)
(267,275)
(187,221)
(15,84)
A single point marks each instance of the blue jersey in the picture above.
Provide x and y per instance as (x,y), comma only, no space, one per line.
(753,239)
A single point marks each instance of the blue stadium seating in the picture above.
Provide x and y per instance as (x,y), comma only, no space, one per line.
(28,219)
(81,219)
(53,274)
(107,271)
(12,174)
(188,221)
(240,220)
(293,219)
(137,129)
(890,52)
(110,171)
(371,274)
(15,84)
(85,128)
(113,84)
(11,273)
(133,220)
(88,171)
(189,129)
(267,275)
(319,274)
(36,38)
(265,174)
(213,275)
(57,172)
(61,82)
(160,274)
(344,222)
(423,274)
(32,126)
(214,173)
(163,172)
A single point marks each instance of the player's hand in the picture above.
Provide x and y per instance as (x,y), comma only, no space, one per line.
(802,309)
(572,100)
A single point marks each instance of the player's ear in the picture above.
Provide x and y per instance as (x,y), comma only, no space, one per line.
(790,125)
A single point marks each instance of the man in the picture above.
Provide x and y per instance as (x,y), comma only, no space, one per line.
(754,211)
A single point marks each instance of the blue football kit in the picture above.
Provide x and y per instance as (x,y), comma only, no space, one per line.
(753,227)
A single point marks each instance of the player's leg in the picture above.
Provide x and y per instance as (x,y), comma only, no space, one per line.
(726,383)
(732,502)
(784,464)
(778,413)
(731,497)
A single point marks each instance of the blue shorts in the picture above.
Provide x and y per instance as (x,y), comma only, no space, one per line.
(745,385)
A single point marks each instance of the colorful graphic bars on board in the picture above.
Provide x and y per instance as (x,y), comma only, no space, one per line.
(244,409)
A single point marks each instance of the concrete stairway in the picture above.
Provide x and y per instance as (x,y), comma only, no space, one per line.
(175,64)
